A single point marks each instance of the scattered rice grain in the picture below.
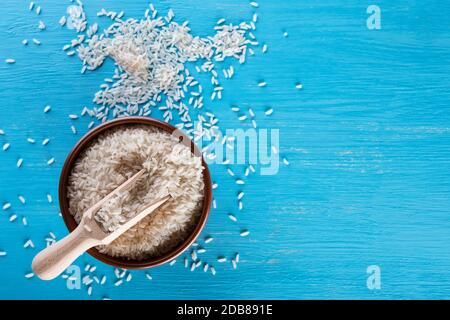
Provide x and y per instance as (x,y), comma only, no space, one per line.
(268,112)
(21,199)
(245,233)
(264,48)
(28,243)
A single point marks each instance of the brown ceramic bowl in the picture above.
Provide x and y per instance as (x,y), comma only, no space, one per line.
(71,223)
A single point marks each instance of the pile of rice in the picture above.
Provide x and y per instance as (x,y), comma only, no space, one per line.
(151,56)
(170,166)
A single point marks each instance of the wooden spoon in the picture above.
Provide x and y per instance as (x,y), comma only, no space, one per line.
(52,261)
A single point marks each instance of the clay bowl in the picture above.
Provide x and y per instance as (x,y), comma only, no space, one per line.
(71,223)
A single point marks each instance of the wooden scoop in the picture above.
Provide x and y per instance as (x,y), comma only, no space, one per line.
(52,261)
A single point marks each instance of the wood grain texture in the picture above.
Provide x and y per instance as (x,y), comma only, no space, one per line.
(367,137)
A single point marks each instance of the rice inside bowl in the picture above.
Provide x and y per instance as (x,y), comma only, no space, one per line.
(114,157)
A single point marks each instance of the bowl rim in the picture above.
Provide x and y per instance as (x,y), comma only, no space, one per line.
(71,224)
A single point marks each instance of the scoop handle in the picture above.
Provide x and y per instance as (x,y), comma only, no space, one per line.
(52,261)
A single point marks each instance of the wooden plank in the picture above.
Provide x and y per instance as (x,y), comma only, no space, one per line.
(367,138)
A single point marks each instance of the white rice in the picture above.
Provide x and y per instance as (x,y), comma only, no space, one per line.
(22,199)
(151,55)
(112,159)
(264,48)
(62,21)
(268,112)
(245,233)
(28,243)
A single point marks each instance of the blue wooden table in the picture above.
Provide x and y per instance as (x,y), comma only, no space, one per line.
(367,138)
